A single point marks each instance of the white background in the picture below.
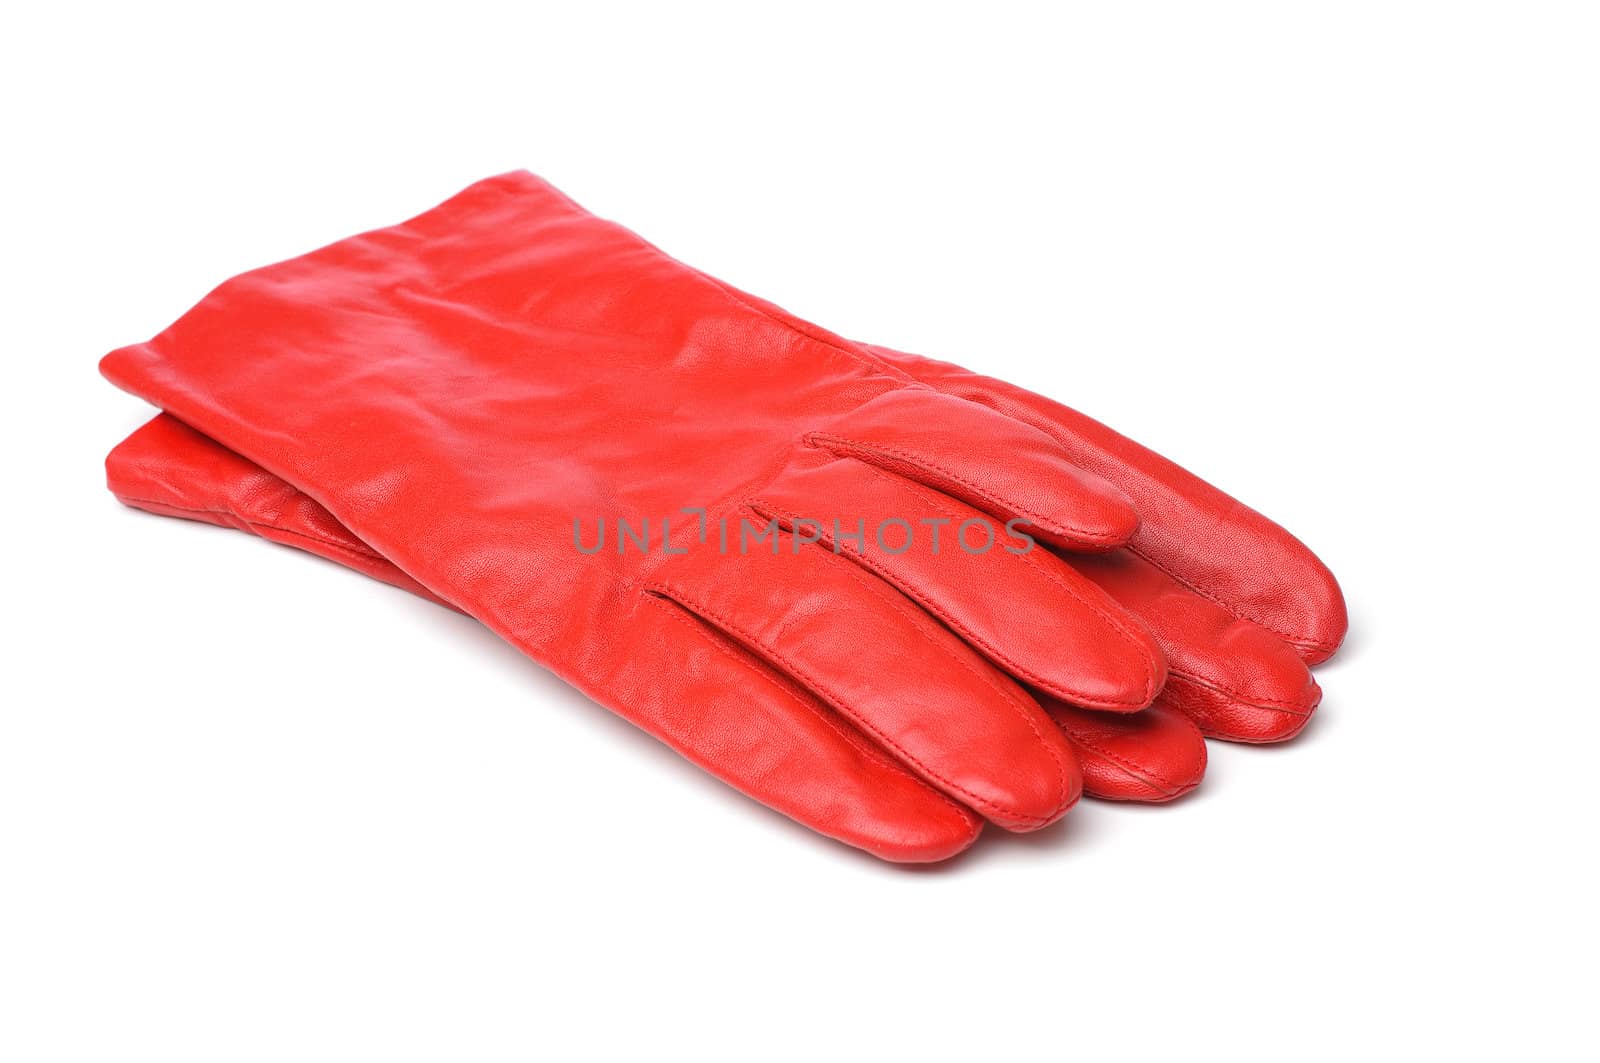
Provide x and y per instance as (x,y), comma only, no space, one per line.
(1341,259)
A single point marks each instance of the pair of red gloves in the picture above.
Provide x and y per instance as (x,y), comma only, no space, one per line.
(886,596)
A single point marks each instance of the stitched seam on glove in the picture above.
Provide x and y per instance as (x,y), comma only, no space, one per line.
(823,441)
(1155,782)
(896,601)
(697,607)
(857,741)
(1299,640)
(1114,622)
(993,652)
(1296,708)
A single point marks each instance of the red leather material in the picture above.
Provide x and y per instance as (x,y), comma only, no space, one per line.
(168,468)
(460,389)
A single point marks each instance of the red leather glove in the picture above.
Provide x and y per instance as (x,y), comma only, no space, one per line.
(1236,677)
(168,468)
(462,390)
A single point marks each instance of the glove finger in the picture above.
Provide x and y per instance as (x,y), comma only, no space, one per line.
(1019,605)
(1150,757)
(1200,536)
(776,742)
(991,462)
(1234,679)
(791,752)
(889,668)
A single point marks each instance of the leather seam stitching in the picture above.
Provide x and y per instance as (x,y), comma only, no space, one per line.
(821,689)
(1149,778)
(1271,704)
(1115,624)
(1051,524)
(965,630)
(855,740)
(1299,640)
(891,597)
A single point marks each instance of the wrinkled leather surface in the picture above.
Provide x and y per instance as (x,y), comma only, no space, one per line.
(170,469)
(435,403)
